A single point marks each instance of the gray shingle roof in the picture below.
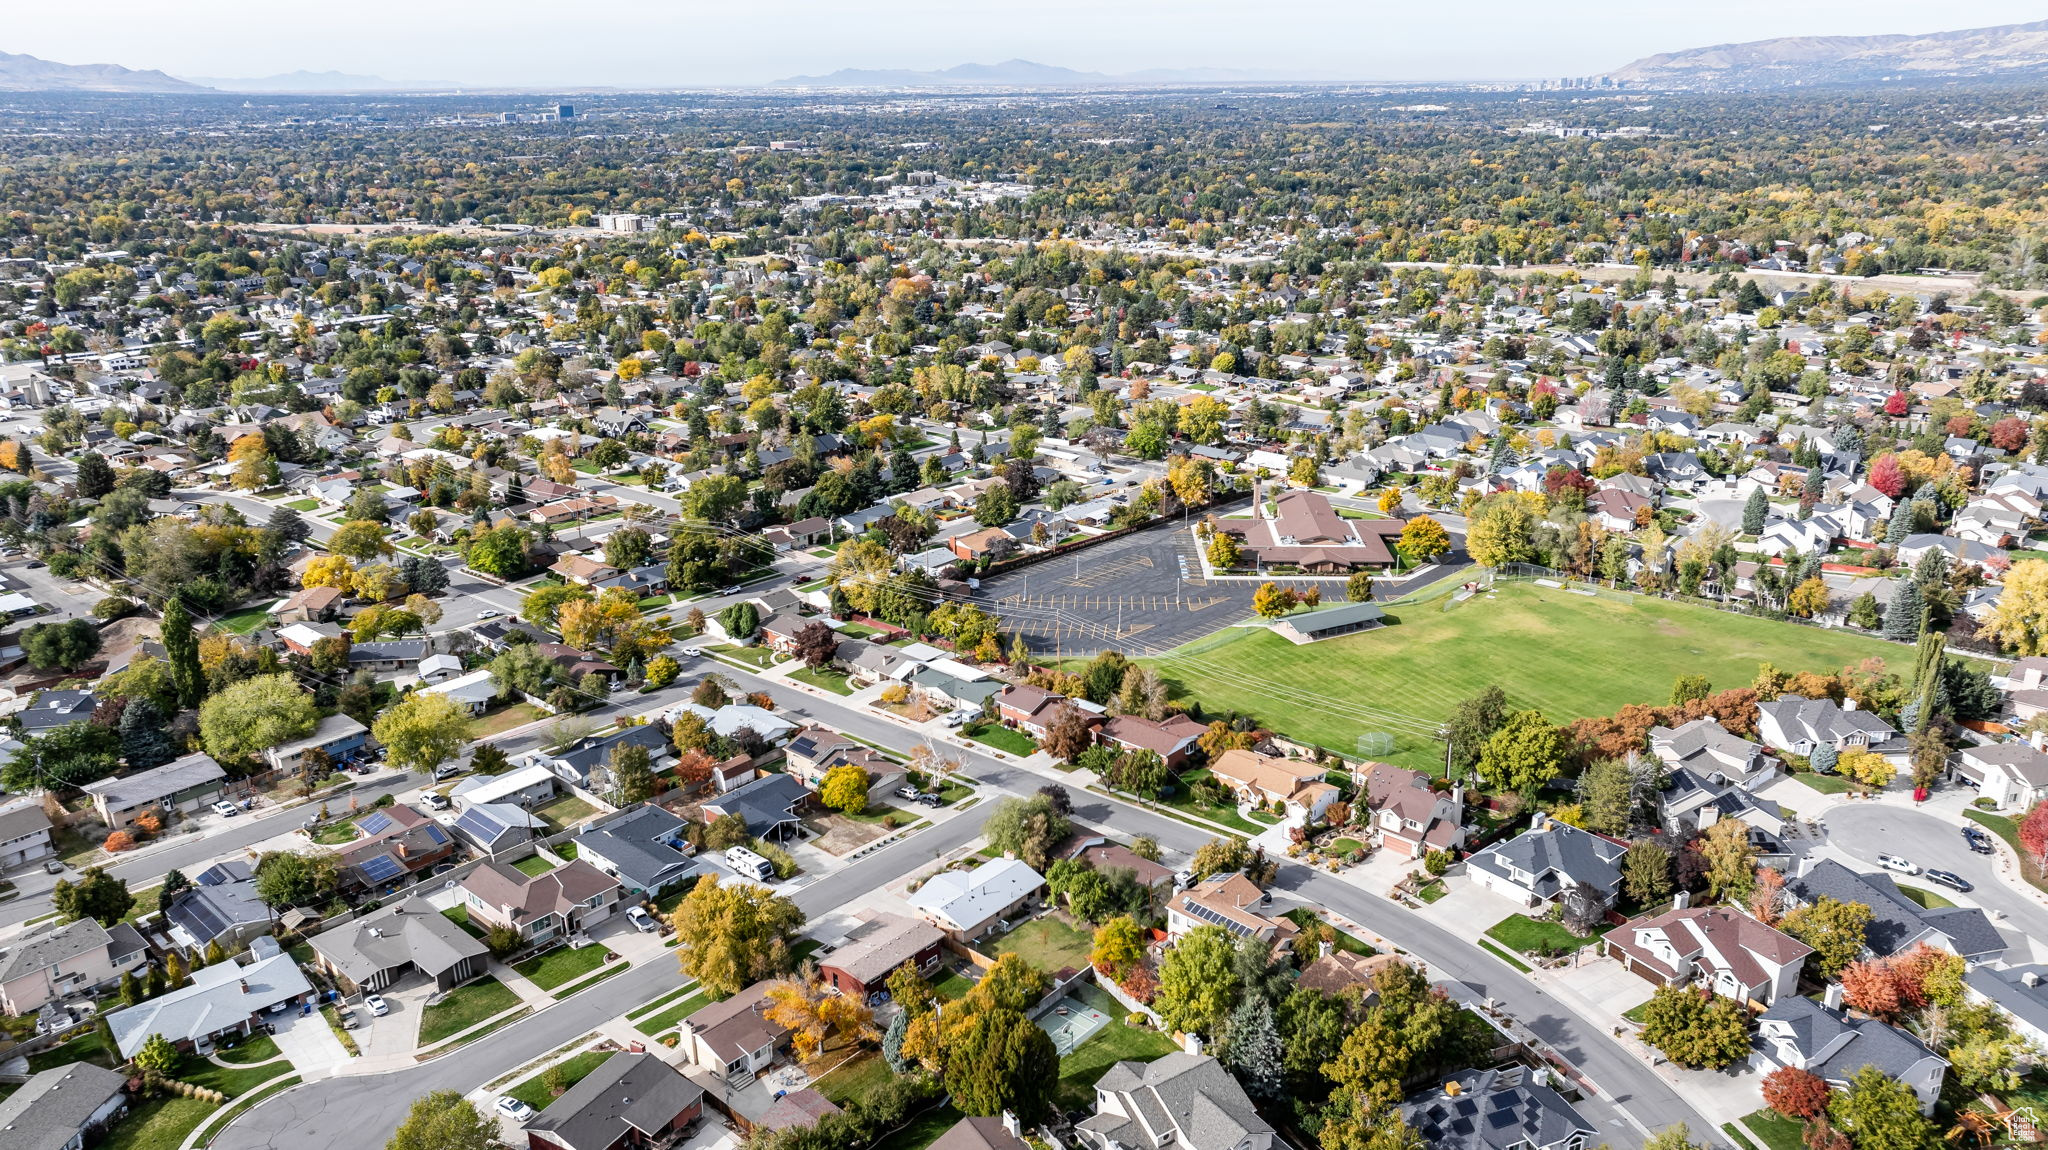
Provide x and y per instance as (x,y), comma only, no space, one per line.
(1558,856)
(1192,1095)
(1895,921)
(51,1108)
(627,1092)
(1487,1114)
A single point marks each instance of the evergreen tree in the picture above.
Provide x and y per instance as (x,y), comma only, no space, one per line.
(892,1043)
(1253,1050)
(95,476)
(131,990)
(1903,615)
(143,741)
(289,525)
(182,646)
(1901,525)
(1754,512)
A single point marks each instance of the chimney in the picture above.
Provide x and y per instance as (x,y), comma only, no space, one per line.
(1010,1123)
(1833,1000)
(1848,704)
(1541,822)
(245,986)
(1681,900)
(2030,978)
(2039,739)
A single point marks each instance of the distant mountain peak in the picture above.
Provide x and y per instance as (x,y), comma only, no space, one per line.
(20,73)
(1815,60)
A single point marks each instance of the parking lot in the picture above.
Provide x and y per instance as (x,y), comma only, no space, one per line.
(1142,594)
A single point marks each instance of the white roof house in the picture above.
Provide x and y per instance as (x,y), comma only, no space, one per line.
(222,998)
(473,691)
(966,902)
(498,788)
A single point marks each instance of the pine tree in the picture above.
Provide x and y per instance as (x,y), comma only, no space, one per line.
(1903,615)
(1900,526)
(1754,512)
(95,476)
(131,990)
(1253,1050)
(182,646)
(892,1043)
(143,741)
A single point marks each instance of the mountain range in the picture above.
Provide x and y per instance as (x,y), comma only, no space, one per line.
(1014,74)
(300,81)
(2008,49)
(30,74)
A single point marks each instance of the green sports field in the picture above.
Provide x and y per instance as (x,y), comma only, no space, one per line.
(1569,655)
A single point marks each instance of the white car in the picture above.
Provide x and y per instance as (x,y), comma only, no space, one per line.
(488,614)
(377,1005)
(226,810)
(693,652)
(641,920)
(1894,862)
(514,1109)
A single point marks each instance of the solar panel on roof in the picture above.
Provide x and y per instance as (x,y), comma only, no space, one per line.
(381,868)
(435,832)
(480,825)
(374,823)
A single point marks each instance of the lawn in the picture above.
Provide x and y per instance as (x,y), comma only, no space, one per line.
(504,719)
(85,1048)
(666,1021)
(464,1007)
(1825,784)
(1537,936)
(824,680)
(244,621)
(459,915)
(1002,738)
(534,1091)
(562,965)
(335,833)
(1776,1131)
(1112,1044)
(159,1124)
(759,658)
(1924,898)
(258,1048)
(2008,830)
(1305,917)
(564,811)
(1183,799)
(1568,655)
(1049,943)
(855,1078)
(952,986)
(533,866)
(233,1082)
(304,505)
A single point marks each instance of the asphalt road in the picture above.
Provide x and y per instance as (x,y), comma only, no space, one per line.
(1863,830)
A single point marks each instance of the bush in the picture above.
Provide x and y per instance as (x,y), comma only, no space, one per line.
(385,800)
(111,608)
(1983,804)
(119,841)
(895,694)
(783,862)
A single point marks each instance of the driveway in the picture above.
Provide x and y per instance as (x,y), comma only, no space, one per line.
(1862,830)
(310,1043)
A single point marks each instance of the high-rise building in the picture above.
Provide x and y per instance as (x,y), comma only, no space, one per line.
(565,111)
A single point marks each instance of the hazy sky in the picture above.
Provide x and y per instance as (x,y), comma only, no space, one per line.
(681,43)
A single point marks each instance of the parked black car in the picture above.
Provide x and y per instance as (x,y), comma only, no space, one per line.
(1979,840)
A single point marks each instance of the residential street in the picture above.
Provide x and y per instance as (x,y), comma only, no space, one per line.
(1863,830)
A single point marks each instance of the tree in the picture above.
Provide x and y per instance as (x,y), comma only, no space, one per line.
(1028,828)
(444,1120)
(158,1055)
(1422,540)
(1471,723)
(175,884)
(1754,510)
(94,477)
(1119,947)
(1271,600)
(1906,613)
(1880,1113)
(1607,791)
(845,788)
(816,644)
(66,646)
(632,773)
(544,606)
(1837,931)
(1526,752)
(740,620)
(423,731)
(1869,770)
(2019,620)
(1069,734)
(662,670)
(360,540)
(286,879)
(815,1018)
(1808,599)
(1501,532)
(181,648)
(1730,859)
(1870,988)
(628,547)
(732,935)
(1796,1093)
(96,895)
(1002,1061)
(255,715)
(144,743)
(1696,1028)
(1677,1137)
(2033,831)
(501,551)
(1253,1049)
(1198,985)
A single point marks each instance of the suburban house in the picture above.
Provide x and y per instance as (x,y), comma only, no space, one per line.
(1548,861)
(1705,746)
(53,709)
(1798,724)
(734,1040)
(1232,902)
(24,832)
(1822,1040)
(981,1134)
(2014,776)
(395,844)
(1897,923)
(495,827)
(1497,1110)
(54,963)
(338,735)
(1030,709)
(644,848)
(1716,947)
(525,787)
(1409,818)
(769,805)
(1262,780)
(473,692)
(2020,991)
(1336,971)
(1172,739)
(1104,855)
(589,763)
(884,943)
(629,1101)
(1690,801)
(375,951)
(63,1107)
(224,999)
(1185,1101)
(185,784)
(813,751)
(966,904)
(2026,686)
(221,903)
(541,907)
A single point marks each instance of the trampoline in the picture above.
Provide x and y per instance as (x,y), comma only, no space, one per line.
(1072,1023)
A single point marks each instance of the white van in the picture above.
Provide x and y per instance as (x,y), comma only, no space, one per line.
(749,864)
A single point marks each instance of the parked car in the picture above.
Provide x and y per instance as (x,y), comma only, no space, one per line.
(906,791)
(930,800)
(489,614)
(226,810)
(436,801)
(641,920)
(514,1109)
(1979,840)
(53,866)
(1894,862)
(376,1004)
(693,652)
(1949,879)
